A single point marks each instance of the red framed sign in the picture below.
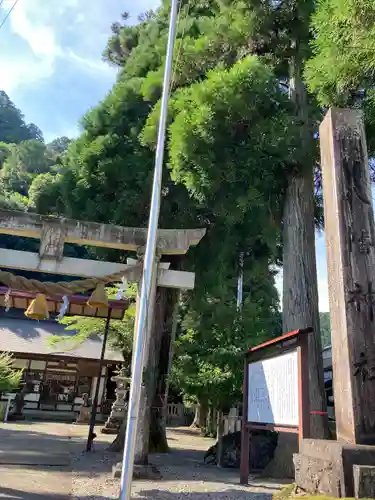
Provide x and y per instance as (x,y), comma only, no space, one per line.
(276,390)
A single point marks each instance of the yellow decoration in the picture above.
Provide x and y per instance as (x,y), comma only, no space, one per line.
(38,308)
(98,297)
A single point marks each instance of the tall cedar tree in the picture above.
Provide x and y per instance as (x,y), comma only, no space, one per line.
(234,160)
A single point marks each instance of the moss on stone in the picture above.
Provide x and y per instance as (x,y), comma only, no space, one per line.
(288,493)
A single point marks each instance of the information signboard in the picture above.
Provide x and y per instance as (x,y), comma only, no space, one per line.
(273,390)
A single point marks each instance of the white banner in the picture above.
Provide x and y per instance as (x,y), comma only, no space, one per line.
(273,390)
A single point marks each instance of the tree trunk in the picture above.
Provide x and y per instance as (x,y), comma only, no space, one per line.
(143,427)
(300,283)
(203,415)
(168,323)
(197,415)
(211,422)
(300,290)
(158,437)
(151,432)
(170,341)
(118,444)
(150,378)
(300,293)
(219,436)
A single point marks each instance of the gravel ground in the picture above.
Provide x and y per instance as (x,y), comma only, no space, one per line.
(184,476)
(88,476)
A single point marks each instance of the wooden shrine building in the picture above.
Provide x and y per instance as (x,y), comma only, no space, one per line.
(59,374)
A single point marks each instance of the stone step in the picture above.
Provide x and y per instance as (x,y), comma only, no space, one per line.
(364,481)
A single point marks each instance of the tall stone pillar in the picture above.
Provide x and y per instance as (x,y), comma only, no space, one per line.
(324,466)
(350,238)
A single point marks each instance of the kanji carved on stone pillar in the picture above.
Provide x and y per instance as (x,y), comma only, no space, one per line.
(350,236)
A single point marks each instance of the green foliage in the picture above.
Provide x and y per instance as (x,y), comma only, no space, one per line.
(341,69)
(214,337)
(28,170)
(225,131)
(23,158)
(232,140)
(14,201)
(96,180)
(13,128)
(9,377)
(5,150)
(24,161)
(44,193)
(343,50)
(59,145)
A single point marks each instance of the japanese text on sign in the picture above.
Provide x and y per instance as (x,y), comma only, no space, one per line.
(273,390)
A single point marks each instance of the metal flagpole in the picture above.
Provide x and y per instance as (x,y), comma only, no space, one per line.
(147,276)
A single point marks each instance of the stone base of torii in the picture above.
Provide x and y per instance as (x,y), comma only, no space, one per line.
(54,232)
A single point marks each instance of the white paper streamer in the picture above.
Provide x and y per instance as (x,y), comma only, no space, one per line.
(63,308)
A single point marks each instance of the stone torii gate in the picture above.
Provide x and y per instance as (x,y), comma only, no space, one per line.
(54,232)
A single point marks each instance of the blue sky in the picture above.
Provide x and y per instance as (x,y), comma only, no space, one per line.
(321,270)
(51,67)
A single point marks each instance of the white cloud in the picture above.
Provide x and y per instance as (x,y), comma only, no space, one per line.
(41,34)
(30,20)
(31,46)
(89,64)
(16,72)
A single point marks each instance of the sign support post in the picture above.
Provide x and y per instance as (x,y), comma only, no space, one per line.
(245,433)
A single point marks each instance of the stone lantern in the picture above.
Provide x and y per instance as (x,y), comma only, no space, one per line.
(120,406)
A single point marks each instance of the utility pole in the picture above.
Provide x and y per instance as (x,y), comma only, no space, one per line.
(149,269)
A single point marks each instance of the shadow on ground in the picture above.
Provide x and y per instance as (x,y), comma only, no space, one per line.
(14,433)
(14,494)
(19,446)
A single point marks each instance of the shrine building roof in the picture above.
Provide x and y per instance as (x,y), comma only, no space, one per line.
(30,337)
